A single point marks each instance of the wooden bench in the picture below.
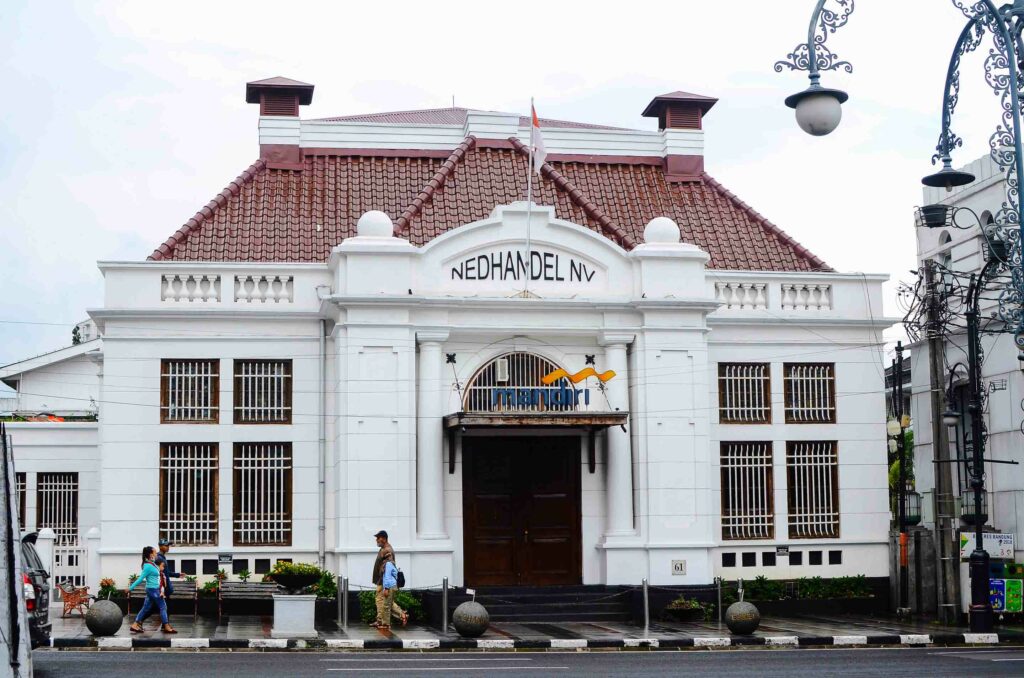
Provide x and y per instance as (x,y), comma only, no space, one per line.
(183,590)
(230,591)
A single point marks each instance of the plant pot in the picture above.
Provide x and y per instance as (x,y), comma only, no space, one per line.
(295,583)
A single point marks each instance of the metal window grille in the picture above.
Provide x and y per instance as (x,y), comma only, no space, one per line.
(812,475)
(810,393)
(496,386)
(263,391)
(188,493)
(57,506)
(263,494)
(20,485)
(189,390)
(744,393)
(748,508)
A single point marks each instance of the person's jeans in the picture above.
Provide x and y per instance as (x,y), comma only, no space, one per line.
(153,600)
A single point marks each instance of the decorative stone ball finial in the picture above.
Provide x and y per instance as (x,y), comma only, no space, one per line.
(470,619)
(375,224)
(661,230)
(103,618)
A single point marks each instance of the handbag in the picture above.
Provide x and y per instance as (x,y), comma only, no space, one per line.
(400,579)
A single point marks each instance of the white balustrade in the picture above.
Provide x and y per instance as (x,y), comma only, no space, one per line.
(806,297)
(190,287)
(742,295)
(264,288)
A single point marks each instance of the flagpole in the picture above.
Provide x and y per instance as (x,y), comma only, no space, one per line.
(529,202)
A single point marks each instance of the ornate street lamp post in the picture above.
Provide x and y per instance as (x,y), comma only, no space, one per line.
(818,111)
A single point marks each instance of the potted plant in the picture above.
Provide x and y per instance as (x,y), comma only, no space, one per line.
(244,576)
(295,576)
(684,609)
(295,612)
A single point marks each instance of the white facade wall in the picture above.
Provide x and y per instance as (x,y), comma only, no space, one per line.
(66,381)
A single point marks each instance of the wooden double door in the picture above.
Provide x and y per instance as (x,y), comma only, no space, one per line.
(521,511)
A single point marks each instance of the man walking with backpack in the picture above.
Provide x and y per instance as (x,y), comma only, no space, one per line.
(386,578)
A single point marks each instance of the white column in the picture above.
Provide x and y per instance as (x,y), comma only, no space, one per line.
(618,454)
(44,547)
(92,555)
(429,437)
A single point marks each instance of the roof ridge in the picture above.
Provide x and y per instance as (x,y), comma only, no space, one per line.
(165,250)
(767,225)
(436,183)
(576,196)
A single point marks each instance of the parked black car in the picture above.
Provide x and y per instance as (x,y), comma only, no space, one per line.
(37,592)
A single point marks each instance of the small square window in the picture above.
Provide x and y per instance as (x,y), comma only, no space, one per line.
(814,558)
(239,565)
(749,559)
(262,565)
(170,565)
(768,559)
(728,560)
(188,567)
(209,566)
(835,557)
(796,557)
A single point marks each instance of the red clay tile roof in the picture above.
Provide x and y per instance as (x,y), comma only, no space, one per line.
(451,116)
(286,215)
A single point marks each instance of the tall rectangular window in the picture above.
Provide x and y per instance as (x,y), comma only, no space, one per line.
(744,393)
(263,391)
(57,506)
(20,485)
(189,391)
(812,477)
(188,493)
(263,494)
(810,393)
(748,509)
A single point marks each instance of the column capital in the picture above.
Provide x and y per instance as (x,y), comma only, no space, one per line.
(612,338)
(431,336)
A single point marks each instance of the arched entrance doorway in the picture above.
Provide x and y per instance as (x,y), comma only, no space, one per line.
(521,482)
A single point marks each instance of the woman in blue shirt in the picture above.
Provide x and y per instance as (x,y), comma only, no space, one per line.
(151,576)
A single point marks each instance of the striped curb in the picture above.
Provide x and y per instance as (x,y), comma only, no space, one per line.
(429,644)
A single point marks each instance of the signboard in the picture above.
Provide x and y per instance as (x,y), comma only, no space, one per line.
(512,265)
(782,552)
(678,567)
(997,545)
(224,558)
(1005,595)
(1014,595)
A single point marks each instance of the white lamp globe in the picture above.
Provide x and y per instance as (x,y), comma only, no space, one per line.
(892,427)
(819,114)
(375,224)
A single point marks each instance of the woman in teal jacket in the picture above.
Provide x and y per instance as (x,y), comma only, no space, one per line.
(151,576)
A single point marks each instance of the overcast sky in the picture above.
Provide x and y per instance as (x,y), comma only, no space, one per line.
(120,120)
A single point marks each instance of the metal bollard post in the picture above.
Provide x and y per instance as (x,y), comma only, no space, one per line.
(647,611)
(339,587)
(444,605)
(718,585)
(344,603)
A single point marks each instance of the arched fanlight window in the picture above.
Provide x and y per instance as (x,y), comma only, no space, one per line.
(513,382)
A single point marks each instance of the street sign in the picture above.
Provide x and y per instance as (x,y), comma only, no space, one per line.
(997,545)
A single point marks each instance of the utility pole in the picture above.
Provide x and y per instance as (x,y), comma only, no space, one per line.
(944,505)
(901,483)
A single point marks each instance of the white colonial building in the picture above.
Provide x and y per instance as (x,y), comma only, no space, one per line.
(637,376)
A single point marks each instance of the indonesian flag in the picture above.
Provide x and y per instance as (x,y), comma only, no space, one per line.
(536,142)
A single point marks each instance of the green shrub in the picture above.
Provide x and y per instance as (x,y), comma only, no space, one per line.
(108,588)
(209,589)
(281,567)
(407,600)
(190,577)
(244,575)
(327,587)
(762,588)
(684,603)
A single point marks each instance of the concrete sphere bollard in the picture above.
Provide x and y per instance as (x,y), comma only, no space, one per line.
(470,619)
(103,618)
(742,618)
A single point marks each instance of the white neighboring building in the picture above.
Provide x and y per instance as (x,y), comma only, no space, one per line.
(1002,374)
(354,308)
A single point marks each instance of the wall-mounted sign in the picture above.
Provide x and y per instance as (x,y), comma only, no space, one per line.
(678,567)
(560,397)
(782,552)
(224,558)
(512,265)
(1006,595)
(997,544)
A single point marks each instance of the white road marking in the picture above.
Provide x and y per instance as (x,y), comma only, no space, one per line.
(436,659)
(463,668)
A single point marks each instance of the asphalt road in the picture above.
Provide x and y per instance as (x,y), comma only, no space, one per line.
(916,662)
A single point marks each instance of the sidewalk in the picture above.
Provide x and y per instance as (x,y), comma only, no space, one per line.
(253,633)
